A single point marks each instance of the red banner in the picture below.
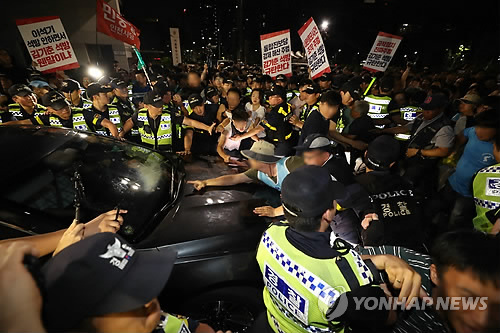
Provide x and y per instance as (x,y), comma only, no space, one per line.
(111,23)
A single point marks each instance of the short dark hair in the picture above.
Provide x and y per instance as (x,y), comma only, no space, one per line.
(331,98)
(489,118)
(304,224)
(235,90)
(239,114)
(467,250)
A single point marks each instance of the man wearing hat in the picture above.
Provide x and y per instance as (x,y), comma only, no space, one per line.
(320,118)
(72,90)
(103,284)
(61,114)
(393,215)
(25,104)
(40,87)
(212,95)
(403,115)
(121,100)
(276,124)
(325,82)
(311,276)
(467,108)
(312,94)
(200,141)
(265,167)
(431,138)
(101,108)
(156,127)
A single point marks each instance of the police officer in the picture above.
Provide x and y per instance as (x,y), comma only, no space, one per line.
(61,114)
(101,109)
(308,272)
(405,114)
(379,103)
(486,190)
(25,104)
(169,107)
(312,94)
(155,128)
(325,82)
(393,216)
(121,100)
(276,124)
(72,90)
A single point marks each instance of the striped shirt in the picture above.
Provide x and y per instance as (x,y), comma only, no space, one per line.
(414,320)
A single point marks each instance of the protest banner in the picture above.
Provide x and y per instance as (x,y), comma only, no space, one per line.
(276,57)
(382,52)
(48,43)
(111,23)
(315,49)
(175,43)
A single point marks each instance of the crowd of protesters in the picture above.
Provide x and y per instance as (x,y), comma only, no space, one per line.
(412,160)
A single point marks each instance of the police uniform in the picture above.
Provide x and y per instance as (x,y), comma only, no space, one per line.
(407,113)
(126,109)
(156,133)
(308,274)
(175,324)
(486,190)
(378,107)
(307,110)
(78,121)
(278,129)
(18,112)
(111,114)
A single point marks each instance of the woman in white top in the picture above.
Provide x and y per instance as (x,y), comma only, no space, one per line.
(240,123)
(256,110)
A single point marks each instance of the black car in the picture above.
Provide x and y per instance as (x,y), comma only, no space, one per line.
(216,278)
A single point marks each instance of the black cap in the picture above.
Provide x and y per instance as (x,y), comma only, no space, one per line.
(70,85)
(436,101)
(153,98)
(278,91)
(104,80)
(382,152)
(353,89)
(317,141)
(313,89)
(195,100)
(211,92)
(281,77)
(325,77)
(162,88)
(226,80)
(118,84)
(20,90)
(309,191)
(99,275)
(55,100)
(96,88)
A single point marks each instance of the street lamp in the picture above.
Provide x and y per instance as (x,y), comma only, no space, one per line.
(95,72)
(324,25)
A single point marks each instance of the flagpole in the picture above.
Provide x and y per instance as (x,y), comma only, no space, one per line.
(141,64)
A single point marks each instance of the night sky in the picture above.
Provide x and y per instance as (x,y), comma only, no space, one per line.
(433,26)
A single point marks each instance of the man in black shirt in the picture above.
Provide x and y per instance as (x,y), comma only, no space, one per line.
(200,141)
(318,122)
(102,109)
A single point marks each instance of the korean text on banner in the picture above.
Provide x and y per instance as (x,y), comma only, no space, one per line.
(315,49)
(382,52)
(48,43)
(276,57)
(175,42)
(111,23)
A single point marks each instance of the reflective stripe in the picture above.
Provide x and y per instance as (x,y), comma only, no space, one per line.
(403,136)
(377,115)
(488,204)
(377,101)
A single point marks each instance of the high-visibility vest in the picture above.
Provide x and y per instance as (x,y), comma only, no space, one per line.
(173,324)
(291,94)
(408,113)
(79,122)
(378,106)
(116,102)
(162,137)
(486,189)
(15,110)
(114,117)
(178,127)
(299,290)
(272,131)
(307,110)
(248,91)
(282,172)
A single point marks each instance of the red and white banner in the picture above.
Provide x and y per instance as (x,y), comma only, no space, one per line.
(382,52)
(276,57)
(315,49)
(48,43)
(111,23)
